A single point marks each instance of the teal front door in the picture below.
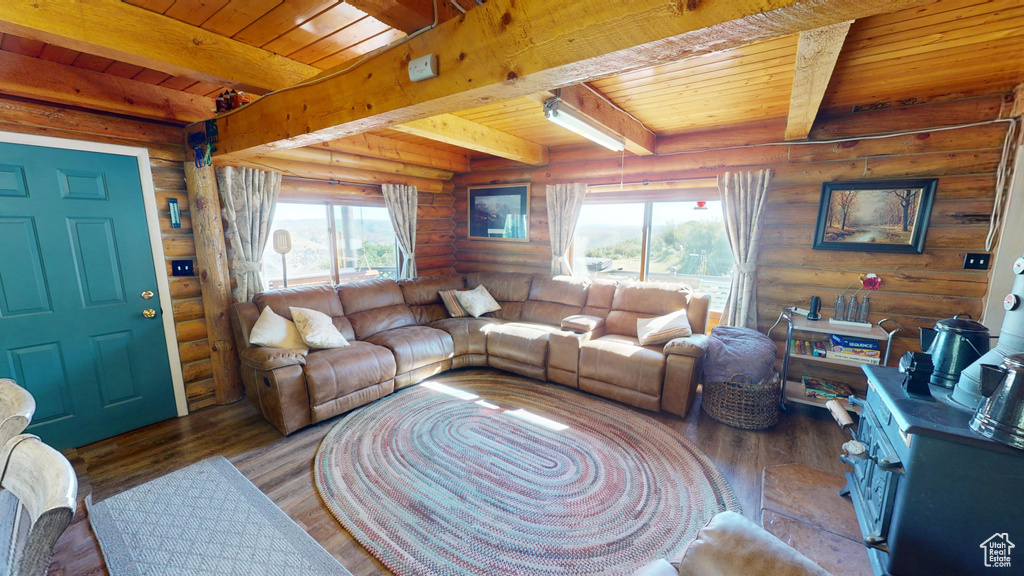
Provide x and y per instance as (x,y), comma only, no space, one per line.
(75,262)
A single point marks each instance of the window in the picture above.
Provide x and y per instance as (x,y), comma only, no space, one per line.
(331,244)
(659,241)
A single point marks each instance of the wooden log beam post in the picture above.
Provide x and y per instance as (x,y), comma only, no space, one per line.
(407,152)
(317,155)
(214,279)
(53,82)
(505,49)
(118,30)
(406,15)
(451,129)
(816,55)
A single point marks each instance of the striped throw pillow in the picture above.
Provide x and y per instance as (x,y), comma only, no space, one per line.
(653,331)
(455,310)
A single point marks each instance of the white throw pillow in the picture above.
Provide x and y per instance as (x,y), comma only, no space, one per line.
(477,301)
(277,332)
(317,329)
(653,331)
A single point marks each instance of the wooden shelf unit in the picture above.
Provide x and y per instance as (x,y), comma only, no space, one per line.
(793,390)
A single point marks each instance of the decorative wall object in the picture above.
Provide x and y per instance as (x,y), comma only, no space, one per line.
(500,212)
(867,216)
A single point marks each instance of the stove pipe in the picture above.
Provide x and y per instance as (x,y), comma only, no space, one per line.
(967,393)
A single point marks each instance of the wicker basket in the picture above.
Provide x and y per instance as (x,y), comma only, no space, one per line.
(741,403)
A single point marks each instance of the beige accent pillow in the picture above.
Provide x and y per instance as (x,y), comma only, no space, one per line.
(317,329)
(477,301)
(277,332)
(731,544)
(451,302)
(653,331)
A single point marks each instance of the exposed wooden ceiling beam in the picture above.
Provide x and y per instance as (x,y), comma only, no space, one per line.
(816,55)
(120,31)
(506,49)
(457,131)
(317,155)
(391,149)
(406,15)
(339,174)
(52,82)
(639,139)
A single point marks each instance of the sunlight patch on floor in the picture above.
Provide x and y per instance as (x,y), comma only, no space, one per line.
(538,420)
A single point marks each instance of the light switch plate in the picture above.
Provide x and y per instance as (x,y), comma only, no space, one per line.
(182,268)
(976,261)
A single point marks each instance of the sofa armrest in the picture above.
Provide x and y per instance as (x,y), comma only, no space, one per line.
(694,345)
(732,545)
(581,323)
(266,358)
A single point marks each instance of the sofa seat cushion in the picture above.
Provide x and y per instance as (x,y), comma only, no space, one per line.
(520,341)
(415,346)
(337,372)
(469,335)
(623,362)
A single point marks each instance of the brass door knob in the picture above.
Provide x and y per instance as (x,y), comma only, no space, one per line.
(149,313)
(147,294)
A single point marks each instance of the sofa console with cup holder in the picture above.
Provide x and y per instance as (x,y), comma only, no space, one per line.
(310,353)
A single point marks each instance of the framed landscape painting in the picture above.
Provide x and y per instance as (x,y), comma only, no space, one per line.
(500,212)
(882,216)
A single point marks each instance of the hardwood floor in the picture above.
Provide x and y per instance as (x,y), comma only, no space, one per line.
(282,467)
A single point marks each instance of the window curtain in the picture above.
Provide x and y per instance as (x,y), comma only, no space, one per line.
(564,203)
(249,197)
(401,202)
(744,195)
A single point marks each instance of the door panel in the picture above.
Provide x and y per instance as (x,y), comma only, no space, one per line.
(21,268)
(76,258)
(96,261)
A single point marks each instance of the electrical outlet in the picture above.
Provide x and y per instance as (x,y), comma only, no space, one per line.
(975,261)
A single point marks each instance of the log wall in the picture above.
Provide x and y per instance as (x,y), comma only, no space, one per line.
(917,289)
(166,155)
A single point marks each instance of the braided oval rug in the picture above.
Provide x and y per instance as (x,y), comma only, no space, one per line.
(480,474)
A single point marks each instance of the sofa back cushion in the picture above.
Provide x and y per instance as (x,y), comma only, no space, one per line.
(600,293)
(554,298)
(421,295)
(510,289)
(320,298)
(633,301)
(374,306)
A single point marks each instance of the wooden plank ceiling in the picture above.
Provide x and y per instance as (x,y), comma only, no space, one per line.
(938,50)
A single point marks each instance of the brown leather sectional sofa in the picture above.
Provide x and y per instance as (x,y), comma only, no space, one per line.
(401,333)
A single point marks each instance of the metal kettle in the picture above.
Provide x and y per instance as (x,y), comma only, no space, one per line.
(954,344)
(1000,416)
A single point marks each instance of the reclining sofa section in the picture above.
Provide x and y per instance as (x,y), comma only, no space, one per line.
(401,333)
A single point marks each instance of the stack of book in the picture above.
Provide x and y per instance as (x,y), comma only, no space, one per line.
(861,350)
(826,389)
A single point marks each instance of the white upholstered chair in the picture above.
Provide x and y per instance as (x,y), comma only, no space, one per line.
(37,502)
(731,545)
(16,409)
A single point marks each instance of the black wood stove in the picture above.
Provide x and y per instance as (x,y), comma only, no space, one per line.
(932,496)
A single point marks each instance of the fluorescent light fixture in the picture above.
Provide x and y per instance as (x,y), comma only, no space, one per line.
(570,120)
